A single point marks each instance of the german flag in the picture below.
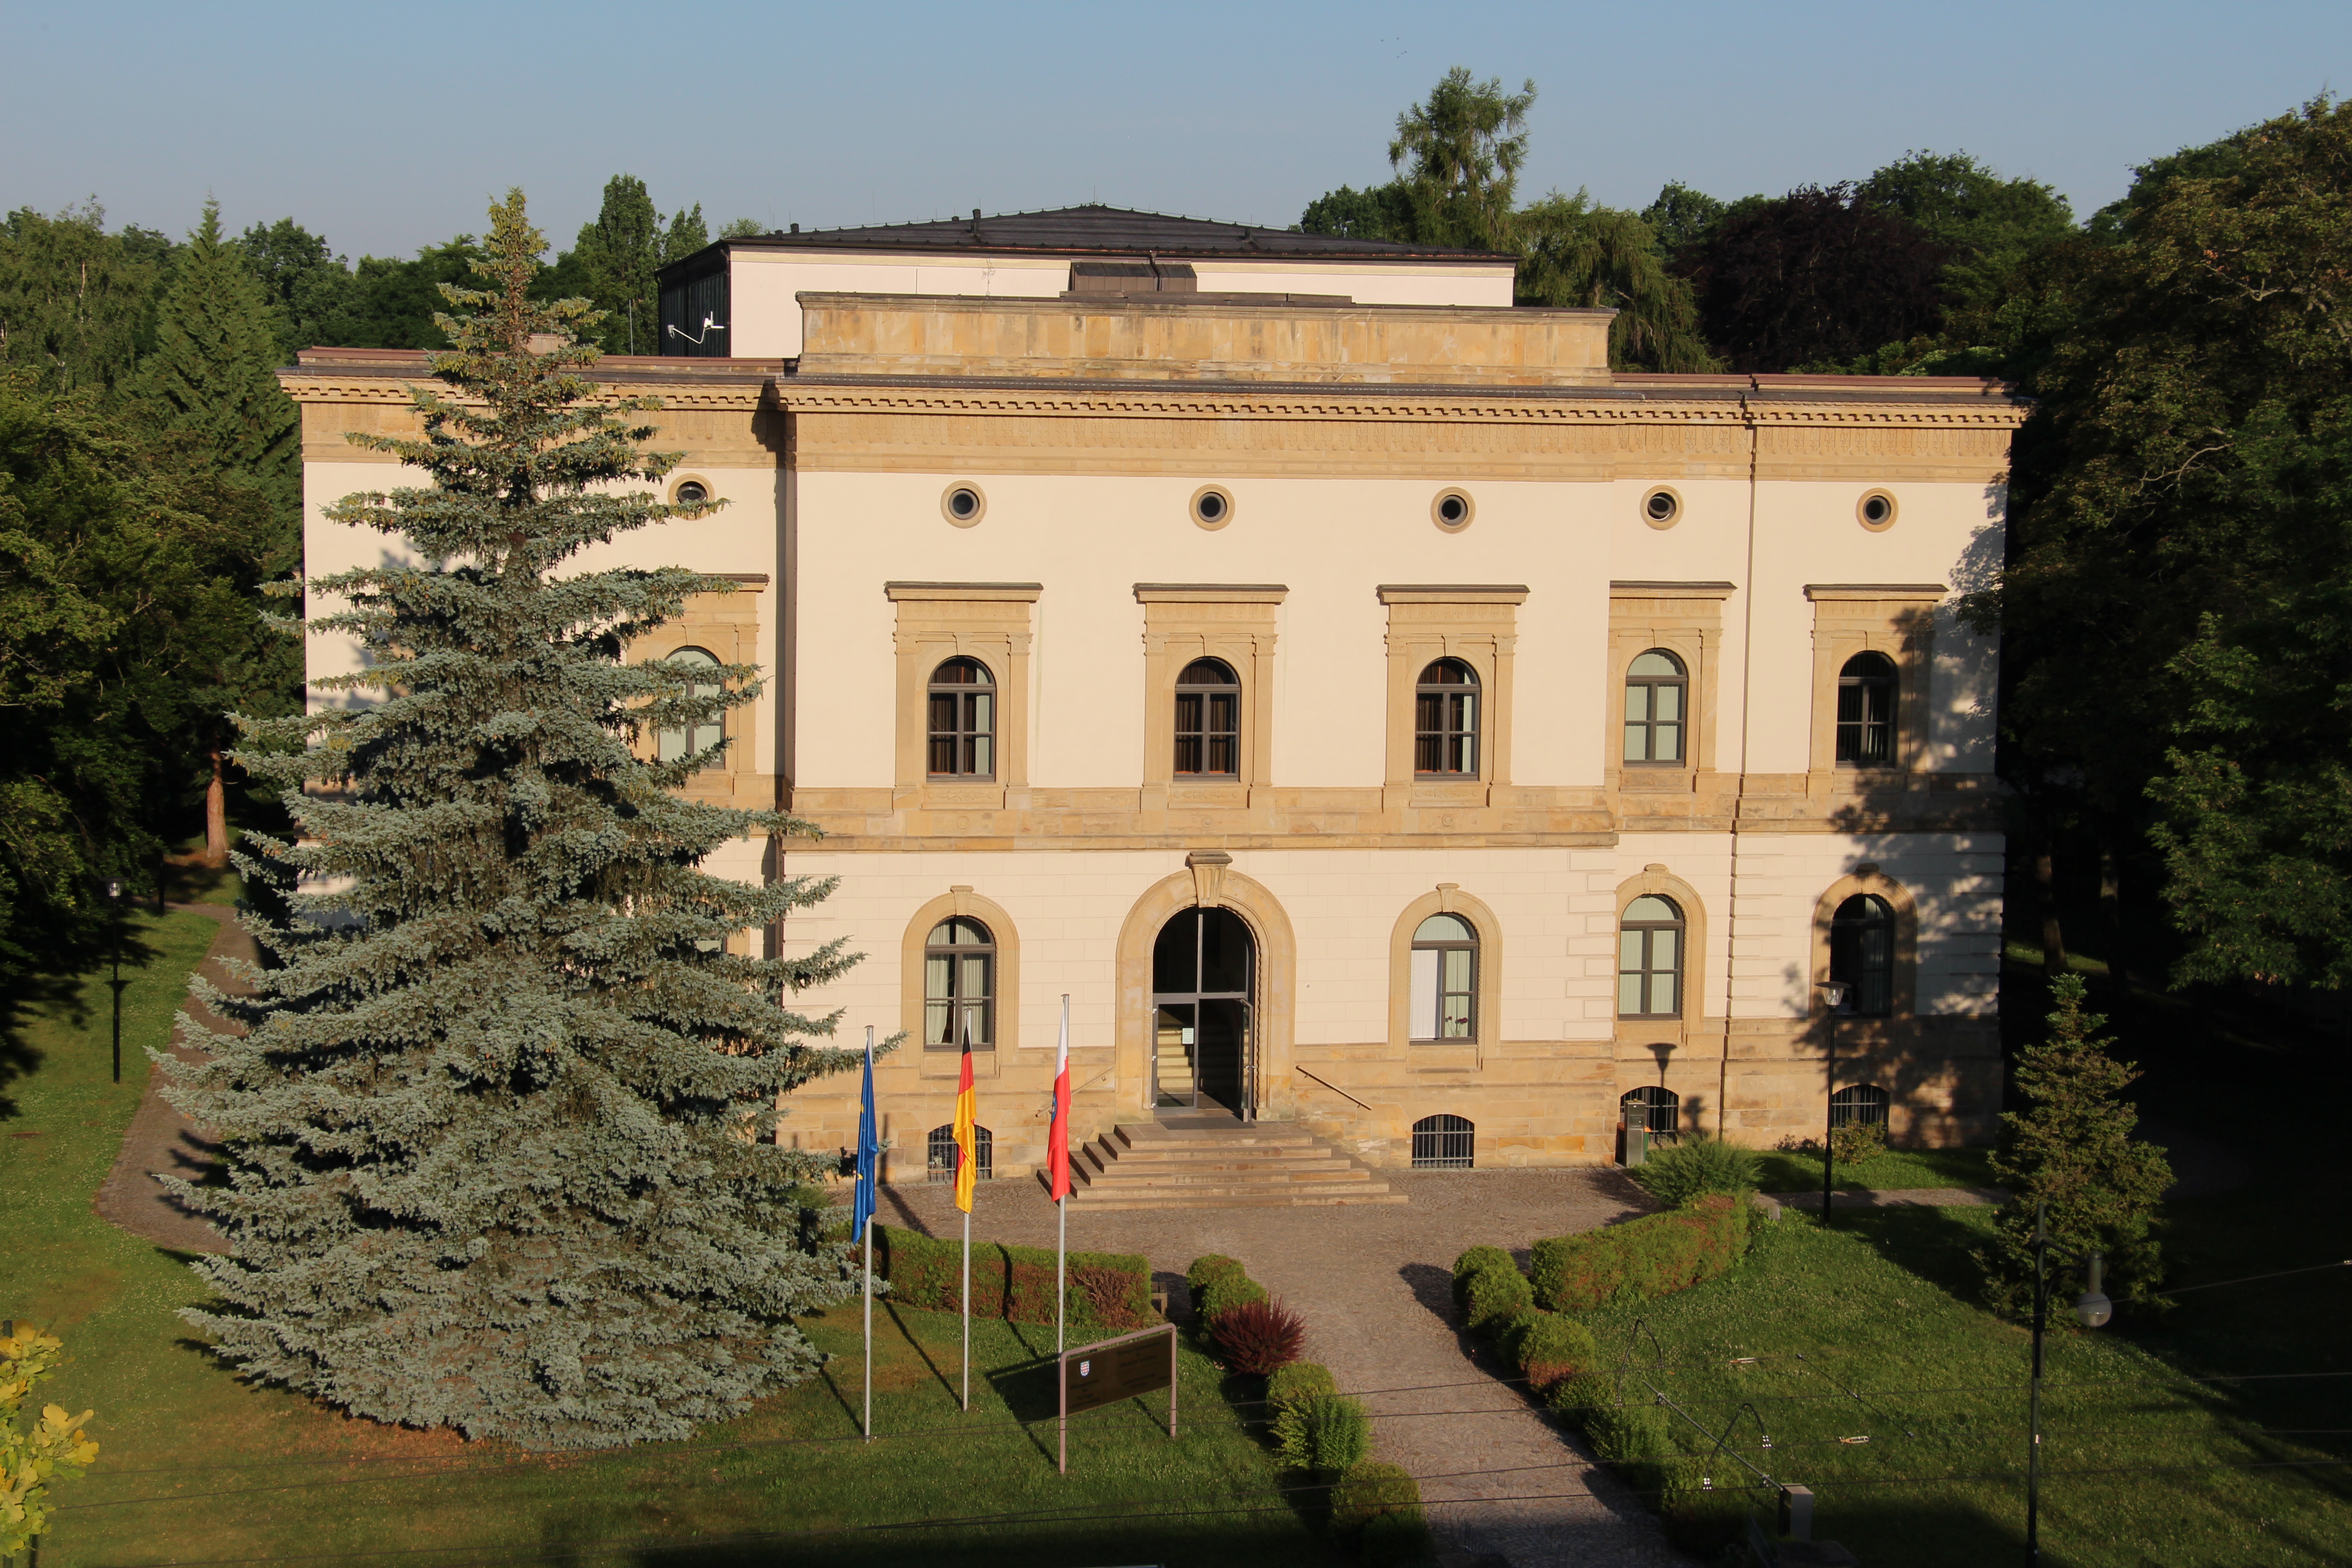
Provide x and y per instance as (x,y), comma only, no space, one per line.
(967,1137)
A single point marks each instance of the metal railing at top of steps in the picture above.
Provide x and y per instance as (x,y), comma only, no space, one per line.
(1334,1087)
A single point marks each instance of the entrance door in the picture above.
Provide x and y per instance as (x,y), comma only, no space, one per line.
(1204,969)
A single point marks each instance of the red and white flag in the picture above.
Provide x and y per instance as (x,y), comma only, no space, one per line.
(1057,1152)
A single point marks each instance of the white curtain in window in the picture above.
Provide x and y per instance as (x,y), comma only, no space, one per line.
(1424,1003)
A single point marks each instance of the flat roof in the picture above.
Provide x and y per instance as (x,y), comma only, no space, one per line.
(1092,229)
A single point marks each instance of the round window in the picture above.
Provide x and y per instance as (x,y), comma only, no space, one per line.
(1662,507)
(1212,506)
(1451,510)
(691,492)
(963,505)
(1875,511)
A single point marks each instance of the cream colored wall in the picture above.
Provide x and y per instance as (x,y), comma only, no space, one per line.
(1558,910)
(1089,540)
(766,316)
(1806,532)
(743,538)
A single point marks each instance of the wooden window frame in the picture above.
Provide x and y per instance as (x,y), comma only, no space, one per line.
(1867,878)
(990,622)
(963,734)
(963,903)
(1891,684)
(956,1004)
(1477,624)
(1206,733)
(1469,945)
(1649,723)
(1646,1034)
(1237,625)
(1487,980)
(1680,925)
(724,623)
(1451,738)
(1684,619)
(1896,620)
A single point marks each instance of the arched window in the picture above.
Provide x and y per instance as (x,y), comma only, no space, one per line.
(1446,721)
(1861,955)
(1208,721)
(963,720)
(940,1155)
(1650,958)
(1444,980)
(1657,702)
(1865,711)
(959,985)
(1860,1103)
(1444,1143)
(677,745)
(1661,1110)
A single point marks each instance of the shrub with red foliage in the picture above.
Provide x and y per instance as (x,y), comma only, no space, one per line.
(1258,1337)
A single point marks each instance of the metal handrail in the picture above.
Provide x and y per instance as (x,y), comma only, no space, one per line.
(1334,1087)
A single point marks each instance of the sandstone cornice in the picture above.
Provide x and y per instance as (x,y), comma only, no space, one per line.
(305,386)
(1514,407)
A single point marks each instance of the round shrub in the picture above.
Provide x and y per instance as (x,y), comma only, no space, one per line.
(1857,1142)
(1258,1337)
(1496,1294)
(1300,1380)
(1324,1432)
(1223,1293)
(1696,1167)
(1552,1347)
(1580,1396)
(1370,1491)
(1474,1261)
(1206,1269)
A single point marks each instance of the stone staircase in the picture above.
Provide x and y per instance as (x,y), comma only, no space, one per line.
(1218,1162)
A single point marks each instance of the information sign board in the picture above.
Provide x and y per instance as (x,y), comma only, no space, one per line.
(1108,1371)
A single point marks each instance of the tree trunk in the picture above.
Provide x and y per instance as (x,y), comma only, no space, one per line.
(2111,908)
(216,816)
(2045,886)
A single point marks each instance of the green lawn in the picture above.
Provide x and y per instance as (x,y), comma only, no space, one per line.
(1867,1332)
(1892,1169)
(196,1464)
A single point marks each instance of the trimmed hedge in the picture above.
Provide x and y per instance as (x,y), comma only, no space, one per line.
(1300,1380)
(1472,1262)
(1206,1269)
(1550,1348)
(1109,1290)
(1382,1503)
(1495,1295)
(1654,1255)
(1219,1285)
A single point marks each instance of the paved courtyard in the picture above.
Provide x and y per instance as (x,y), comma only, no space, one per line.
(1374,1284)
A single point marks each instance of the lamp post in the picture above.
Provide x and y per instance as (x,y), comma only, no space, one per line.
(1834,995)
(114,912)
(2093,1307)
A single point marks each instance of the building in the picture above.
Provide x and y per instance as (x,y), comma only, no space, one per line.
(1370,710)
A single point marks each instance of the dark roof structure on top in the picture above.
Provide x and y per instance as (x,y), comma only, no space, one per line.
(1095,230)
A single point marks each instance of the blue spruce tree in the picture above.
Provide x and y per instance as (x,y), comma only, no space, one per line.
(499,1125)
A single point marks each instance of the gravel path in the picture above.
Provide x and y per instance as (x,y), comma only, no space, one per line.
(1375,1287)
(1895,1197)
(160,1138)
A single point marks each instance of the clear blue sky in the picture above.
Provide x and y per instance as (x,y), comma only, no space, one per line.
(388,127)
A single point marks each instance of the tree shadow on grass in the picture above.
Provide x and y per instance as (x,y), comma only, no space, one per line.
(1938,1244)
(1135,1536)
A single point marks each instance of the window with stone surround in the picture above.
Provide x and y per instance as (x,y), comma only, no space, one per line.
(1650,958)
(1208,721)
(1657,707)
(962,722)
(1444,979)
(1446,721)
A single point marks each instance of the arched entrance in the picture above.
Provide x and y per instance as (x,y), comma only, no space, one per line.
(1203,990)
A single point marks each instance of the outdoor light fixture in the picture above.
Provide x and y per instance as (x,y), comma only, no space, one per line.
(1833,995)
(2093,1307)
(114,906)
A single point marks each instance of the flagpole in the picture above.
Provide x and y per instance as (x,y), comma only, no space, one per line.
(866,1240)
(966,1157)
(1060,1156)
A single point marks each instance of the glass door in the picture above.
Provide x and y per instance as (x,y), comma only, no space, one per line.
(1202,970)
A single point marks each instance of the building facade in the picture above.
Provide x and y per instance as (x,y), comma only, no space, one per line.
(1365,708)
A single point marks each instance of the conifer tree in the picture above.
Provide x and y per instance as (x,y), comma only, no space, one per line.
(500,1126)
(617,255)
(210,373)
(2070,1147)
(209,384)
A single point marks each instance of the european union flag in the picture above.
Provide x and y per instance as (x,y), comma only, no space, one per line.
(869,1152)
